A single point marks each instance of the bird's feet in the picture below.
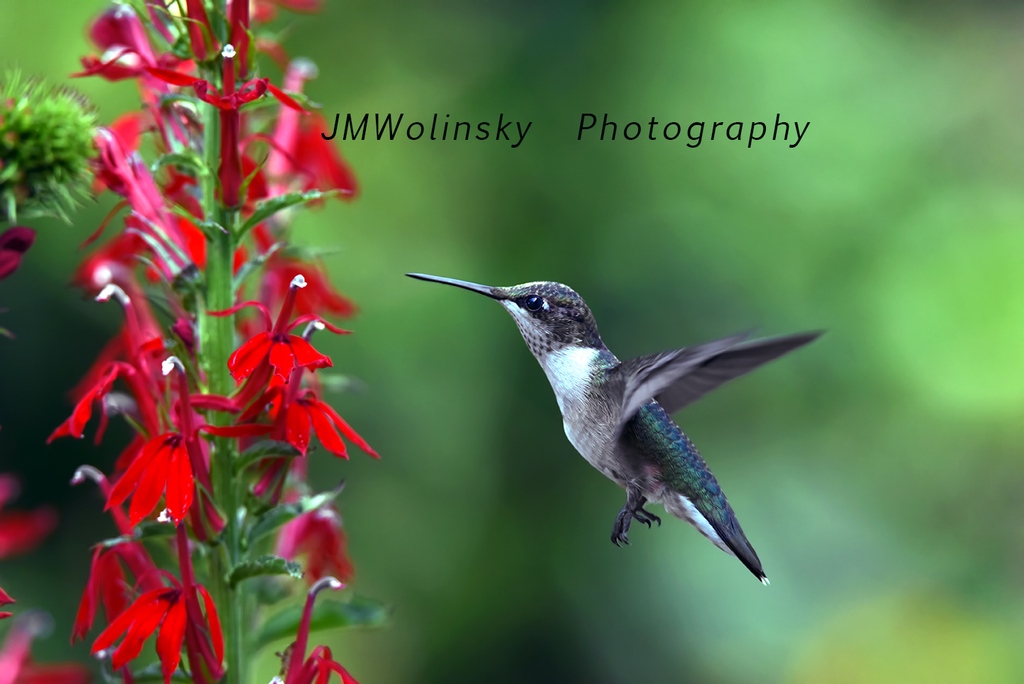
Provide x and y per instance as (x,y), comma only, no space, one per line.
(621,526)
(633,510)
(646,517)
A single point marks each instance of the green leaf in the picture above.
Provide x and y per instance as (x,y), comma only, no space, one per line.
(358,611)
(264,565)
(188,161)
(284,513)
(264,448)
(268,208)
(250,266)
(269,590)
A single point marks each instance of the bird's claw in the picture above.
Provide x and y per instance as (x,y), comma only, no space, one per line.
(621,527)
(633,510)
(646,517)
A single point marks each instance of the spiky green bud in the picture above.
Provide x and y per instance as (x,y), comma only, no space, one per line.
(46,142)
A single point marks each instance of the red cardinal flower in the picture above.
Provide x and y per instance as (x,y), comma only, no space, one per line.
(176,611)
(318,668)
(164,609)
(300,151)
(162,465)
(277,347)
(16,665)
(309,413)
(318,535)
(319,296)
(107,583)
(5,599)
(21,531)
(14,242)
(229,102)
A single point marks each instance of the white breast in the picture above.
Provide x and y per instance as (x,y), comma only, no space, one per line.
(569,371)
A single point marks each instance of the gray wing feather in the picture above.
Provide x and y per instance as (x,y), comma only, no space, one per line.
(681,376)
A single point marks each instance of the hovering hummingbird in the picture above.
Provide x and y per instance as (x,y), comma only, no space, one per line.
(616,413)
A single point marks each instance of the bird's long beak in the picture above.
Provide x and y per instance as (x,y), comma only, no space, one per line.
(492,292)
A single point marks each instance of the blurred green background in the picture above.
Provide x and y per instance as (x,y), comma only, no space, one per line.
(878,472)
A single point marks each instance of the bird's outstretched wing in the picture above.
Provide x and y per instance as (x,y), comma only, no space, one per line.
(681,376)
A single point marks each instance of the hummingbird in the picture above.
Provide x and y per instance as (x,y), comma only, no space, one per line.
(617,413)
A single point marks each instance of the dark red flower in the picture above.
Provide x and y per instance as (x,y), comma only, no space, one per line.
(14,242)
(107,583)
(21,531)
(165,609)
(162,466)
(317,535)
(5,599)
(74,426)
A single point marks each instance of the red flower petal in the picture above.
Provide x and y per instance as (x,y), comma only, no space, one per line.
(14,242)
(170,639)
(123,488)
(216,636)
(238,307)
(180,484)
(306,355)
(284,98)
(145,623)
(282,358)
(245,359)
(325,431)
(345,428)
(173,77)
(246,430)
(123,622)
(21,531)
(297,427)
(151,486)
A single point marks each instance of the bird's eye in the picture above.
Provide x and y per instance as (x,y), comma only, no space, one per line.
(534,303)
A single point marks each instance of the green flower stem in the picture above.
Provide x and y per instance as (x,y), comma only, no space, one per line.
(217,341)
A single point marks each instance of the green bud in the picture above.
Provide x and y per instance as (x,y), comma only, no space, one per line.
(46,142)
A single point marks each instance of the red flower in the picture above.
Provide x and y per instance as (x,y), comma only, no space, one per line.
(178,614)
(14,242)
(74,426)
(318,296)
(277,348)
(229,102)
(107,583)
(5,599)
(21,531)
(265,10)
(283,351)
(16,666)
(165,609)
(299,151)
(319,536)
(318,668)
(162,465)
(310,413)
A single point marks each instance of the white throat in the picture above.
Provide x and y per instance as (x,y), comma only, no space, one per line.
(569,371)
